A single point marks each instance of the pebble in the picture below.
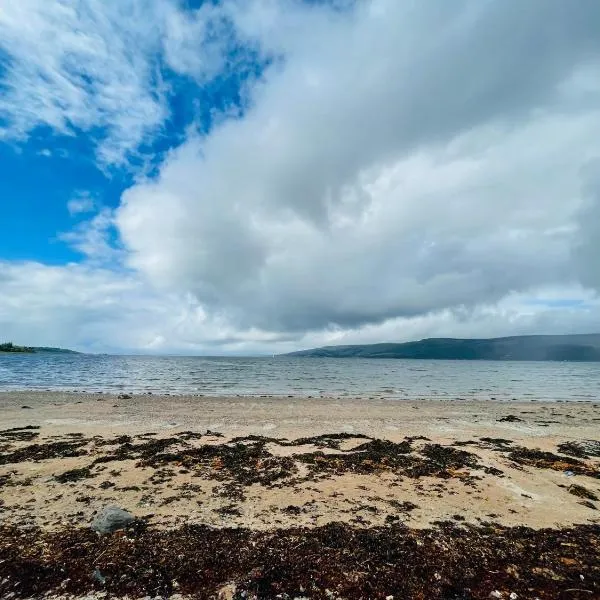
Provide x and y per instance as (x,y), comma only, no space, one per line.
(110,519)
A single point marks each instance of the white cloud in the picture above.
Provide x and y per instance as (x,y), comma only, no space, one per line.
(82,202)
(85,65)
(100,310)
(402,159)
(400,170)
(95,66)
(94,238)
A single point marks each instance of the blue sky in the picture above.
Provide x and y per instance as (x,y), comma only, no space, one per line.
(257,176)
(64,166)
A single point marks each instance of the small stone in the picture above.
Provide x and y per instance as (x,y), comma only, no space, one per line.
(495,594)
(110,519)
(124,397)
(513,596)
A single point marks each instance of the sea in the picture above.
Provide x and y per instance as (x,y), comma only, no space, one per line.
(302,377)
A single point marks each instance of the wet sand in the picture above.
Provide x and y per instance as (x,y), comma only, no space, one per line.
(267,465)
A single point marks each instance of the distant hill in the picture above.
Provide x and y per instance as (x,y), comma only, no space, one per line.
(10,347)
(584,347)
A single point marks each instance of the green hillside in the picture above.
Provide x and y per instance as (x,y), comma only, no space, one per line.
(9,347)
(584,347)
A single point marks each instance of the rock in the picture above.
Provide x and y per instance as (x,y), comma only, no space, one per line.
(124,397)
(110,519)
(495,594)
(25,406)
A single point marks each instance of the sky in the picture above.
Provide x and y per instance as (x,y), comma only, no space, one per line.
(260,176)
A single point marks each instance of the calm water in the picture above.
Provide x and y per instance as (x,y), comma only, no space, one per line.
(402,379)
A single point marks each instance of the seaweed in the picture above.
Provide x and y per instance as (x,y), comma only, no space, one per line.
(582,492)
(35,452)
(74,475)
(497,442)
(510,419)
(580,449)
(20,434)
(548,460)
(328,440)
(451,561)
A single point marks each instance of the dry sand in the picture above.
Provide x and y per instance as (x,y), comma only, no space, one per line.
(309,489)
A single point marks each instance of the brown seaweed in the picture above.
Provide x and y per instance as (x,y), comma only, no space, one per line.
(449,562)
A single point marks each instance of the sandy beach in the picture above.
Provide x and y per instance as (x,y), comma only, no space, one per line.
(269,466)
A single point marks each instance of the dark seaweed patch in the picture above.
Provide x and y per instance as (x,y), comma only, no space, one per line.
(35,452)
(74,475)
(449,562)
(582,492)
(582,449)
(498,442)
(20,434)
(330,440)
(548,460)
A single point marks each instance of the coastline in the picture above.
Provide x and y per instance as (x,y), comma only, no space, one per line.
(295,468)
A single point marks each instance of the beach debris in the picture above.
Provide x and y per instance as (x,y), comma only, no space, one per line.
(331,440)
(20,434)
(336,560)
(124,397)
(110,519)
(510,419)
(548,460)
(581,492)
(580,449)
(35,452)
(73,475)
(25,406)
(499,442)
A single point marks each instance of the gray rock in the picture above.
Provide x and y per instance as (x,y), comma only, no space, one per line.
(110,519)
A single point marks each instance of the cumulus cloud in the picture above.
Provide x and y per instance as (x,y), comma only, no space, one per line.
(401,159)
(101,310)
(399,169)
(97,309)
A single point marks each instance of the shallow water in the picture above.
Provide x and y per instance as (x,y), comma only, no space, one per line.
(402,379)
